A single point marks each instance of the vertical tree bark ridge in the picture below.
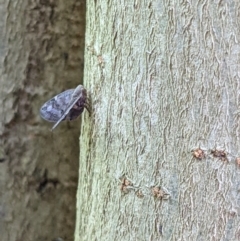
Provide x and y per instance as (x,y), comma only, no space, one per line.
(42,56)
(163,77)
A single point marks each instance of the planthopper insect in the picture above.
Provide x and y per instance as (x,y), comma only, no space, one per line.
(67,105)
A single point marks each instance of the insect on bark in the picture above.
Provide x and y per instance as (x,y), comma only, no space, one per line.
(67,105)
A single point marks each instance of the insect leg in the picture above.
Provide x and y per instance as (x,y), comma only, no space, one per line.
(87,106)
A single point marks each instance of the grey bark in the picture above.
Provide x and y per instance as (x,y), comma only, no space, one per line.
(164,81)
(41,51)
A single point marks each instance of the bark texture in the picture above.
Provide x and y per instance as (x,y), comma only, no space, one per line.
(41,55)
(164,81)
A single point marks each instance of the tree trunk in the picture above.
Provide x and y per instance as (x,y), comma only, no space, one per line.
(157,155)
(41,55)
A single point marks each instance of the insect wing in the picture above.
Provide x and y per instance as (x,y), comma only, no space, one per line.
(54,109)
(69,107)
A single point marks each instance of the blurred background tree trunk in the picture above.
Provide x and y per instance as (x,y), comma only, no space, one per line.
(41,51)
(164,81)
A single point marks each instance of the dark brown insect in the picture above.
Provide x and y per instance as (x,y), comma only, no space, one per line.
(220,154)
